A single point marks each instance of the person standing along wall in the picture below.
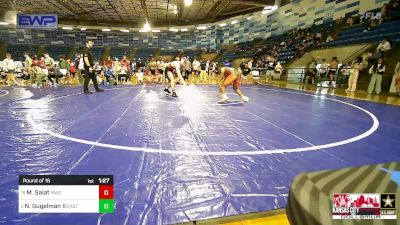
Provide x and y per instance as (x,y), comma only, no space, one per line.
(377,71)
(356,66)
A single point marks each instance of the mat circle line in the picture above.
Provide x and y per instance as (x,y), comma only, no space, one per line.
(367,133)
(6,93)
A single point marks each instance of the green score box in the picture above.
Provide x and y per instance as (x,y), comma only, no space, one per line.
(106,206)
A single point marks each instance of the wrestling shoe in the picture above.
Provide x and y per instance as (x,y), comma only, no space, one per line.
(224,98)
(174,94)
(245,98)
(166,90)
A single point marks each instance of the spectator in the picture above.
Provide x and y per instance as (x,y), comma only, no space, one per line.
(64,68)
(50,66)
(141,69)
(365,57)
(124,73)
(311,71)
(377,71)
(356,66)
(395,84)
(318,37)
(278,71)
(37,76)
(329,39)
(323,69)
(383,47)
(344,75)
(125,62)
(27,64)
(72,68)
(187,69)
(117,67)
(196,69)
(349,21)
(332,69)
(203,71)
(9,69)
(270,64)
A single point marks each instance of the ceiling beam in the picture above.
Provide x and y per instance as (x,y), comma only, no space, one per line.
(74,8)
(116,11)
(261,3)
(144,8)
(216,9)
(134,24)
(241,11)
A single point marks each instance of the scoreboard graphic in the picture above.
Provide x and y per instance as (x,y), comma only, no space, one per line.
(66,194)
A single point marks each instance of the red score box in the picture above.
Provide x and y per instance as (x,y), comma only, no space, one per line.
(106,192)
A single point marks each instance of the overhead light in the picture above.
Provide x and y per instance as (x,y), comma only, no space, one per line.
(249,18)
(222,24)
(234,22)
(156,31)
(175,11)
(67,28)
(201,27)
(143,31)
(4,23)
(105,29)
(184,29)
(83,28)
(188,2)
(124,30)
(173,29)
(146,27)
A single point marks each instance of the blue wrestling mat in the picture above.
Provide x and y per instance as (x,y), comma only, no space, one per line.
(188,158)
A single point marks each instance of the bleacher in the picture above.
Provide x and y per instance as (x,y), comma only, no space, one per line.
(169,52)
(192,53)
(228,56)
(17,51)
(97,53)
(119,52)
(56,51)
(356,34)
(144,53)
(286,55)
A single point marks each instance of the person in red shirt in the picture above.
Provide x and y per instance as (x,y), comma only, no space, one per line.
(231,77)
(125,62)
(108,63)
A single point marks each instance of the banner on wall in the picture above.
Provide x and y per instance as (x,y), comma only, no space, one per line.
(371,16)
(37,21)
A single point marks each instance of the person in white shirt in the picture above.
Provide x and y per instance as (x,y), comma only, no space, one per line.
(196,70)
(278,71)
(377,71)
(9,69)
(329,39)
(356,66)
(344,75)
(187,69)
(27,64)
(383,47)
(322,71)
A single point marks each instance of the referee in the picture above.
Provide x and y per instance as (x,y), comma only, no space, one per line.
(89,72)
